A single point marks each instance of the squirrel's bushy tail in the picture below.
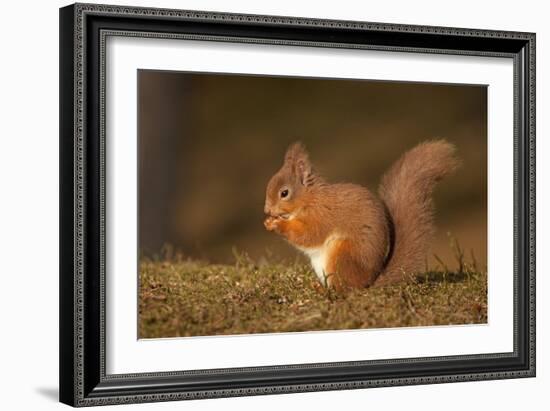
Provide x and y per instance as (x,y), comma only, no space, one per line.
(406,189)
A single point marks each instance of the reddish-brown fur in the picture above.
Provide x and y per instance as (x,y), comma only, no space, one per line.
(406,189)
(347,269)
(370,240)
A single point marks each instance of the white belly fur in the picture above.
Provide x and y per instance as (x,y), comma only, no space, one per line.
(318,258)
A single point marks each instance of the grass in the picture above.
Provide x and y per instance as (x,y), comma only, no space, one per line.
(191,298)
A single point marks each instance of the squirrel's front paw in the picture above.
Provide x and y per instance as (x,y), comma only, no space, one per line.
(270,223)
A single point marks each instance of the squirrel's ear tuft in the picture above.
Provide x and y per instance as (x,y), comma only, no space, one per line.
(294,151)
(298,159)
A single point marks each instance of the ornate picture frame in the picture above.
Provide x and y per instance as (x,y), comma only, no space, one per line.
(84,30)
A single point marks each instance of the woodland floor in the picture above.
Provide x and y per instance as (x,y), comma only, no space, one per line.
(190,298)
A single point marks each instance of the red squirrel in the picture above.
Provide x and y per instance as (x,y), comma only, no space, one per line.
(353,237)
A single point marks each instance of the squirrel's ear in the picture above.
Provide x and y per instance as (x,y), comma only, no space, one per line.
(298,159)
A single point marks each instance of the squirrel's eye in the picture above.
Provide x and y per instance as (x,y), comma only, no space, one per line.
(284,193)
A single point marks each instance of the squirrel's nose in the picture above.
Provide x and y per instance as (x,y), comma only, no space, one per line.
(267,210)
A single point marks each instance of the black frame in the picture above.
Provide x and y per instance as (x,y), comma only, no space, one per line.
(83,29)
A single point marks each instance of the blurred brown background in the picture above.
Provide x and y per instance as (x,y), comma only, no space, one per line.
(209,144)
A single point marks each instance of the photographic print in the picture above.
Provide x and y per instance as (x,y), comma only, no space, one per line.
(274,187)
(290,204)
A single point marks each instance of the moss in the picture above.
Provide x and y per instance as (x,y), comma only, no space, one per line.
(192,298)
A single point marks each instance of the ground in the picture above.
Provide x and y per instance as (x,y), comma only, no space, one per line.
(181,297)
